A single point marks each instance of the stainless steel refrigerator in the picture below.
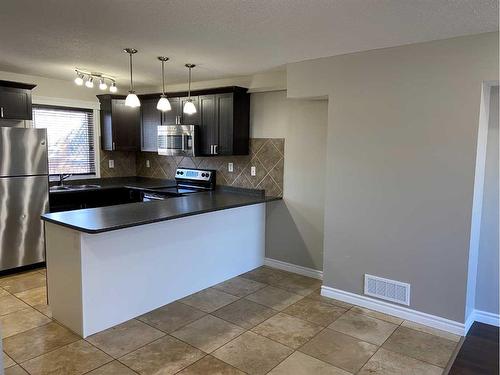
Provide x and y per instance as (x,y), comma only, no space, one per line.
(24,196)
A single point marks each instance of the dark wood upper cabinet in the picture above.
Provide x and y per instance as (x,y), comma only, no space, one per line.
(120,124)
(150,119)
(15,100)
(173,116)
(193,119)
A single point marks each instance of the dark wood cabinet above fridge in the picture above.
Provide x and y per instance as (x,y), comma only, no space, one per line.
(15,100)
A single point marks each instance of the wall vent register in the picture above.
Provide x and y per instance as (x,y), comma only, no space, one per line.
(390,290)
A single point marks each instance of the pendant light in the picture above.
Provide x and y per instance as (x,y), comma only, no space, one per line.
(189,107)
(163,104)
(132,100)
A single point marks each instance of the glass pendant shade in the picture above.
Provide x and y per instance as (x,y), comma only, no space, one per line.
(163,104)
(132,100)
(189,108)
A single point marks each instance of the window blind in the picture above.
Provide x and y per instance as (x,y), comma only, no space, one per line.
(70,136)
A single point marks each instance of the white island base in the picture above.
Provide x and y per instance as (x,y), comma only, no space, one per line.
(96,281)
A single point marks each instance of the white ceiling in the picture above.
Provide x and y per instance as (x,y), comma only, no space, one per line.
(224,37)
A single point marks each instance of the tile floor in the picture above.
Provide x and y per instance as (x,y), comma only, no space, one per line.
(263,322)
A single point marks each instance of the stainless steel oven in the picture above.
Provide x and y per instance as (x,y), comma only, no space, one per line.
(177,140)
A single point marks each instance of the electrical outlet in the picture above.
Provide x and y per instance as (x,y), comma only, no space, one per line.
(253,171)
(111,163)
(148,164)
(230,167)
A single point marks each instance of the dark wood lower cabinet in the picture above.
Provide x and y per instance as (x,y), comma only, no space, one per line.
(75,200)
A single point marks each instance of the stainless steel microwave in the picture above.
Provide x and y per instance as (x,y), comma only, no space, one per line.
(177,140)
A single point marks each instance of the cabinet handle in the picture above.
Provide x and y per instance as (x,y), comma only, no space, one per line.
(215,149)
(113,146)
(211,149)
(1,112)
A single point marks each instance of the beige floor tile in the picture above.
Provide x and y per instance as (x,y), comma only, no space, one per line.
(315,311)
(166,355)
(364,327)
(112,368)
(3,292)
(265,275)
(44,309)
(252,353)
(209,300)
(171,317)
(339,350)
(245,313)
(287,330)
(210,365)
(208,333)
(124,338)
(7,361)
(15,370)
(239,286)
(19,283)
(301,364)
(431,331)
(21,321)
(37,341)
(419,345)
(298,284)
(35,296)
(274,298)
(385,362)
(10,304)
(73,359)
(316,295)
(378,315)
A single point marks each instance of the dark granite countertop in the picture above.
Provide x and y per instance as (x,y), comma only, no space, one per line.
(112,183)
(104,219)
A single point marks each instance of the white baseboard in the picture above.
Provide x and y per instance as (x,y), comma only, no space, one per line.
(487,318)
(398,311)
(304,271)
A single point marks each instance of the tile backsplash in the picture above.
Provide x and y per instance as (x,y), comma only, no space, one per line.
(266,155)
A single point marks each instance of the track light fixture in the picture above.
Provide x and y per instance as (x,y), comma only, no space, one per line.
(86,77)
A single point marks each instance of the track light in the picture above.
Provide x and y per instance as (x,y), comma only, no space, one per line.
(102,84)
(90,82)
(112,87)
(79,79)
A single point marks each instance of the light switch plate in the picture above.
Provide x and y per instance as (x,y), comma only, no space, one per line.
(111,163)
(253,171)
(230,167)
(148,164)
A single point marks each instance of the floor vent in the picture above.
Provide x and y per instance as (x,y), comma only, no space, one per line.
(390,290)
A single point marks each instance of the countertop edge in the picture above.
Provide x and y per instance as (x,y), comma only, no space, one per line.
(157,220)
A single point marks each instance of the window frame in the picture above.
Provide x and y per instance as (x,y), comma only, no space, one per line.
(79,105)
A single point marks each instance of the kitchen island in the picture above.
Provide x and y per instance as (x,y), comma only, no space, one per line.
(110,264)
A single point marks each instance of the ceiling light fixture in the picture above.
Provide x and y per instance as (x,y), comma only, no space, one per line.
(132,100)
(113,87)
(89,82)
(102,84)
(189,107)
(79,78)
(163,103)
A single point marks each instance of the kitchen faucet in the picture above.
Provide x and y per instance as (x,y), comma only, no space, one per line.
(62,177)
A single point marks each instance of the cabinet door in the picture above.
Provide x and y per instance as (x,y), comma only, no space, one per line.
(225,123)
(209,132)
(193,119)
(15,104)
(169,117)
(150,119)
(126,126)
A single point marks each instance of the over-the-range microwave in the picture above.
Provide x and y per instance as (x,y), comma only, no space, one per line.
(178,140)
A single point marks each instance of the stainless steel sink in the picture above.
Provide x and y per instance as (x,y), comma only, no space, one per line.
(73,187)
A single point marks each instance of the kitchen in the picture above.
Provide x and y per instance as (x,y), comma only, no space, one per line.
(166,195)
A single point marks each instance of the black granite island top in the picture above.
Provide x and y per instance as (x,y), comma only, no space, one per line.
(105,219)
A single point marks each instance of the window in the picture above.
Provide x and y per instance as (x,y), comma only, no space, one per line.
(70,134)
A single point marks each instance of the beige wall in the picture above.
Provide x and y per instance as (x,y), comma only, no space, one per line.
(294,229)
(401,149)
